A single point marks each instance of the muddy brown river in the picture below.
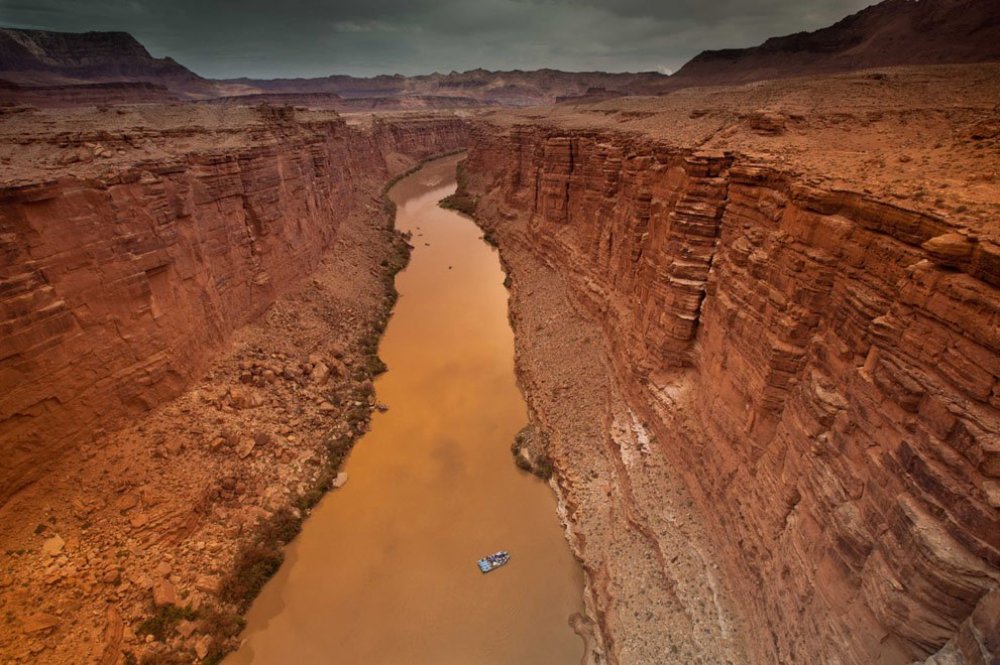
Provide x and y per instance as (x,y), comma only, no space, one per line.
(384,570)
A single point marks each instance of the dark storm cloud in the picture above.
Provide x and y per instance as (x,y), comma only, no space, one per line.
(266,38)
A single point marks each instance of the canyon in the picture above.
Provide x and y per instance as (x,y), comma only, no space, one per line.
(432,486)
(157,259)
(136,251)
(756,325)
(809,345)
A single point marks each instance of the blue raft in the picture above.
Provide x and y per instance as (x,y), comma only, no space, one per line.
(493,561)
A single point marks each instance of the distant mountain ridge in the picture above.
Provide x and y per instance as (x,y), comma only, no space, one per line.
(891,33)
(35,59)
(516,87)
(42,57)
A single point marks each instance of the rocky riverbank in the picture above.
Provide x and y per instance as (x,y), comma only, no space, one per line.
(146,543)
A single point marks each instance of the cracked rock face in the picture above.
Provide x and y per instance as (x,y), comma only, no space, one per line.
(840,354)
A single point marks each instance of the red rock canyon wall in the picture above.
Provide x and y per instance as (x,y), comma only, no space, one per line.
(114,292)
(840,358)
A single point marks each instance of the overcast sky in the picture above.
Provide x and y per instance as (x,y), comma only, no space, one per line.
(277,38)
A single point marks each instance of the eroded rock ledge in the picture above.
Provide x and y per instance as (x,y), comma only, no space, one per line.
(193,304)
(135,241)
(818,365)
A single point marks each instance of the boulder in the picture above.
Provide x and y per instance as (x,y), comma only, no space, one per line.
(38,622)
(767,123)
(320,373)
(207,583)
(54,546)
(127,502)
(201,647)
(164,593)
(949,249)
(245,447)
(244,398)
(186,628)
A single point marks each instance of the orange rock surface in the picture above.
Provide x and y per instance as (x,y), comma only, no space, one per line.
(135,241)
(811,340)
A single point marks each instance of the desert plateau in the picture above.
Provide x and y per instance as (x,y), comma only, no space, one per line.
(640,333)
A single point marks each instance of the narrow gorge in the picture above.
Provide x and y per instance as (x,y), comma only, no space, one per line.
(496,366)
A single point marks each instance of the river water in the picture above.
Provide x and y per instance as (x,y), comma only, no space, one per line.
(384,569)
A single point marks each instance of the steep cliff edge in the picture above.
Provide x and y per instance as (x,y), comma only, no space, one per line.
(136,247)
(807,339)
(191,307)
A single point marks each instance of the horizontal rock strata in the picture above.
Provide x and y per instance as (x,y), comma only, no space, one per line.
(118,285)
(821,365)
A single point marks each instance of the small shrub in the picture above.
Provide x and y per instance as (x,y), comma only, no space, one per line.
(540,464)
(375,366)
(163,620)
(337,448)
(460,202)
(491,238)
(461,176)
(543,468)
(313,495)
(253,567)
(218,623)
(281,527)
(164,658)
(357,415)
(256,562)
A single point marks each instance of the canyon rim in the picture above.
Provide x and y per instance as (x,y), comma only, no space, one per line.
(756,325)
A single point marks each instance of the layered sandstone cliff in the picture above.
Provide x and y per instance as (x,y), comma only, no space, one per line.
(814,352)
(144,237)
